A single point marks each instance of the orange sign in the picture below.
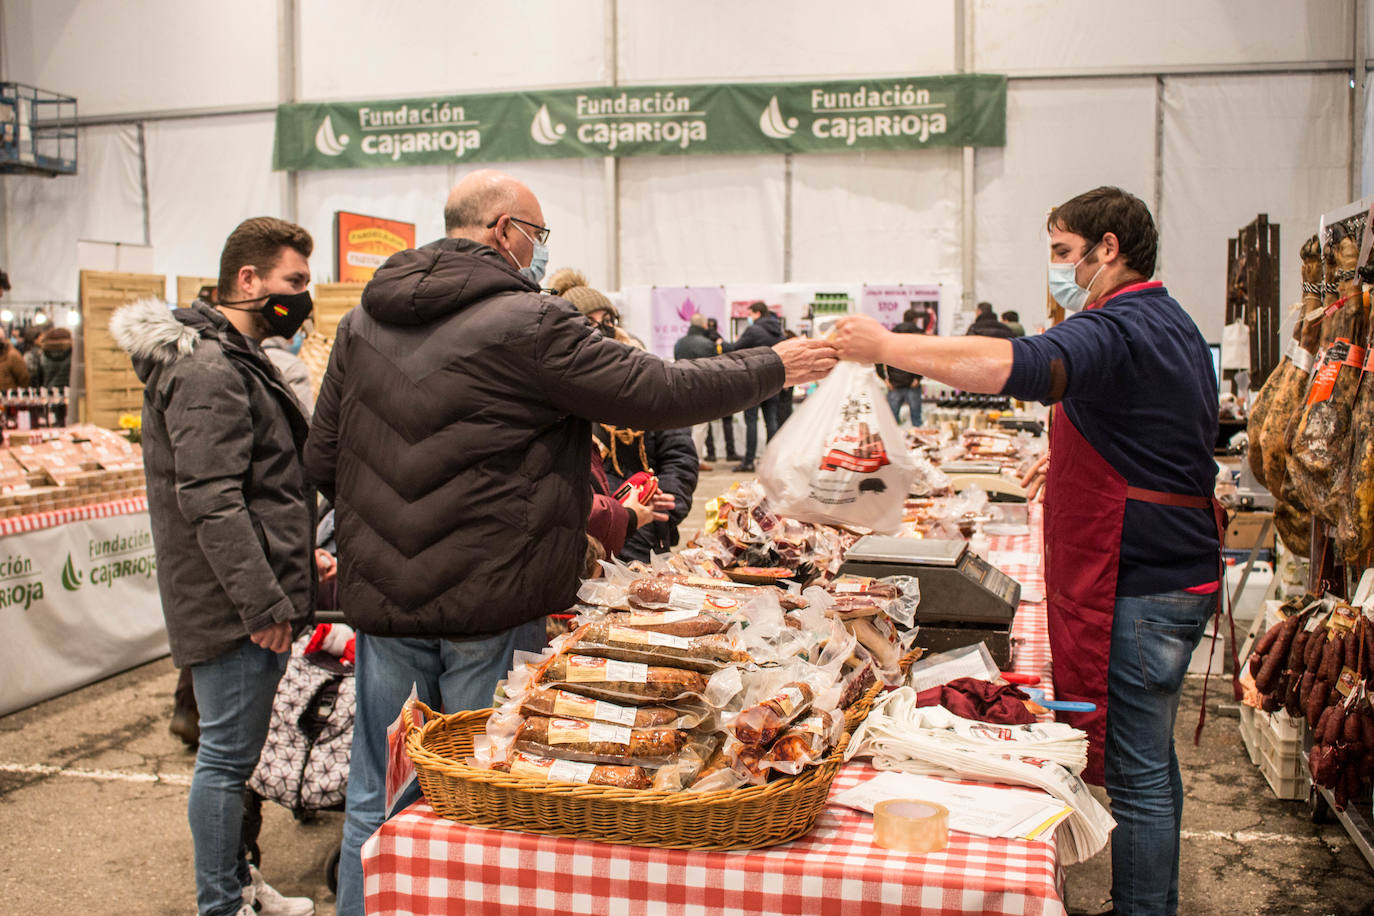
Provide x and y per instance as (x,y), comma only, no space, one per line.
(363,243)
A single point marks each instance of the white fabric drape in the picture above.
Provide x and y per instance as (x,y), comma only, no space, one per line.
(46,216)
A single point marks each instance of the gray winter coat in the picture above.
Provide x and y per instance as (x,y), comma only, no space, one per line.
(233,516)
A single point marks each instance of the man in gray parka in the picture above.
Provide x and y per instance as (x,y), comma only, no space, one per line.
(233,521)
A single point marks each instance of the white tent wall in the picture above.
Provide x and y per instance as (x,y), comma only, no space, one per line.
(205,176)
(1063,137)
(1084,108)
(46,216)
(1238,146)
(147,55)
(1018,37)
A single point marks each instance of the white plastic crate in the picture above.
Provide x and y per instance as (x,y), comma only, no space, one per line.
(1278,741)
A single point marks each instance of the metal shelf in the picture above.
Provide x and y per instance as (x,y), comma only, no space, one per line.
(1355,823)
(37,131)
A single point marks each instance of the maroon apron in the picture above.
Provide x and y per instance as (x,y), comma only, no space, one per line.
(1085,504)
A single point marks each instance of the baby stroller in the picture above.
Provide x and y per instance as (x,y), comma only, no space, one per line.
(304,762)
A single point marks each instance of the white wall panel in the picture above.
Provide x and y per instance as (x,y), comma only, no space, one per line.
(1063,137)
(145,56)
(46,216)
(366,50)
(1237,147)
(884,217)
(205,176)
(666,41)
(701,219)
(1064,35)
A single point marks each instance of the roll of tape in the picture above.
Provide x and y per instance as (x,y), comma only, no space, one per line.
(911,825)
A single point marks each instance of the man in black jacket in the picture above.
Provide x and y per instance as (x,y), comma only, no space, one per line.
(985,324)
(765,330)
(452,431)
(233,522)
(697,344)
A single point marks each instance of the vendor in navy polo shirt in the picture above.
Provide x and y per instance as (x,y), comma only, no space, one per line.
(1132,533)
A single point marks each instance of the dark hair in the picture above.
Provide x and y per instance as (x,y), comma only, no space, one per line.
(1010,316)
(1094,213)
(258,242)
(4,281)
(985,308)
(911,314)
(758,308)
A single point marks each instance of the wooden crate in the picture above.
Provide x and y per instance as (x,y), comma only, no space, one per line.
(112,388)
(1252,294)
(332,302)
(188,289)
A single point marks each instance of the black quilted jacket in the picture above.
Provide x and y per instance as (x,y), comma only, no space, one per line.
(452,431)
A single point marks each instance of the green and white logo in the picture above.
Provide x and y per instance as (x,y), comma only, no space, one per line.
(71,578)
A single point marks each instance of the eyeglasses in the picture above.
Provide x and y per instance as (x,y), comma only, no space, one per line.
(541,233)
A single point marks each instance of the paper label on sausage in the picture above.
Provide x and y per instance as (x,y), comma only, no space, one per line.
(788,699)
(567,731)
(605,733)
(684,598)
(646,638)
(1343,618)
(571,771)
(1346,682)
(531,767)
(1299,356)
(850,588)
(570,704)
(582,669)
(1324,382)
(656,618)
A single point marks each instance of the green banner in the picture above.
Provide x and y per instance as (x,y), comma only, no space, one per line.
(822,117)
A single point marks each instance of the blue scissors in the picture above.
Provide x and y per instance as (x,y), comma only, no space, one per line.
(1038,695)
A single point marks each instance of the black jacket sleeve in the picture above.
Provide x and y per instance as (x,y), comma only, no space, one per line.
(596,378)
(677,467)
(322,448)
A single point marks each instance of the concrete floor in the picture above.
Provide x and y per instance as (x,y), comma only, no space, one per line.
(93,816)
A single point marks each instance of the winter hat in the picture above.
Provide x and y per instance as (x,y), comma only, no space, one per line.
(571,285)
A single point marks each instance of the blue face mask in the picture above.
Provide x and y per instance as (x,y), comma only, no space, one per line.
(539,260)
(1064,283)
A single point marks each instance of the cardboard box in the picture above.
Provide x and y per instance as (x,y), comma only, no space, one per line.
(1244,530)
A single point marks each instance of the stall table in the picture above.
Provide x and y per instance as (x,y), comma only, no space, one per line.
(420,863)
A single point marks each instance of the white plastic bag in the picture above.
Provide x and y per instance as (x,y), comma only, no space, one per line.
(841,459)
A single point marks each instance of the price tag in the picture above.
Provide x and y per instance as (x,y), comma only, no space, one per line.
(605,733)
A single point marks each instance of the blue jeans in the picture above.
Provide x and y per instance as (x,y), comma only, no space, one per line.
(911,397)
(448,674)
(234,693)
(1153,637)
(751,426)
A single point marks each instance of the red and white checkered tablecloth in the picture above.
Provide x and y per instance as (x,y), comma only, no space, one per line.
(1029,628)
(37,521)
(420,863)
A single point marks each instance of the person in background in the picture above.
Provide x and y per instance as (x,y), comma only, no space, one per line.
(1013,321)
(14,371)
(667,454)
(4,283)
(785,396)
(904,388)
(1132,529)
(611,521)
(451,433)
(727,423)
(54,359)
(283,354)
(697,344)
(33,356)
(985,324)
(765,330)
(233,522)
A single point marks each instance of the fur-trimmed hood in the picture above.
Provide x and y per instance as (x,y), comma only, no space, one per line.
(152,333)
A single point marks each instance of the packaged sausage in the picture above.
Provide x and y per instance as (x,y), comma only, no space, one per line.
(598,742)
(657,591)
(548,769)
(547,701)
(686,623)
(717,775)
(759,724)
(617,681)
(804,743)
(700,653)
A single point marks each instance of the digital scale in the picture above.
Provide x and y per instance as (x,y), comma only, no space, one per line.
(964,599)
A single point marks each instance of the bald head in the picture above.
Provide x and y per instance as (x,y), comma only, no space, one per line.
(479,198)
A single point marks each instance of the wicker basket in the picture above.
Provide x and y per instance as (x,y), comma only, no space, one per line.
(747,818)
(729,819)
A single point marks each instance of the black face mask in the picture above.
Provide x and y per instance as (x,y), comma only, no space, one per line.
(607,329)
(283,312)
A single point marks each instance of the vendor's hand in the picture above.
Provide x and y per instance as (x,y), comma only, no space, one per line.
(1034,479)
(805,360)
(643,514)
(276,638)
(860,339)
(663,503)
(325,564)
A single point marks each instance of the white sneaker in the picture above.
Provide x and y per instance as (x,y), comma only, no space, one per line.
(261,899)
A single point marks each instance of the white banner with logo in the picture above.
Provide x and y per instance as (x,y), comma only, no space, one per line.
(78,602)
